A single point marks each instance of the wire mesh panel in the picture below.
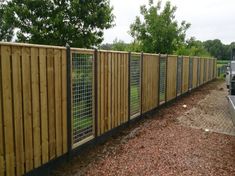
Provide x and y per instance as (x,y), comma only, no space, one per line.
(162,79)
(179,74)
(190,73)
(82,96)
(135,85)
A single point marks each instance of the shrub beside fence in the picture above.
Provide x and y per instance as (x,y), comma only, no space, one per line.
(55,99)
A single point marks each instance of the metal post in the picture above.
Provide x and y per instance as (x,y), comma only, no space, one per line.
(69,104)
(96,92)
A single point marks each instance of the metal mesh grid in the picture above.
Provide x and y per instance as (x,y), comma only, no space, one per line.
(179,74)
(135,85)
(82,96)
(190,73)
(162,80)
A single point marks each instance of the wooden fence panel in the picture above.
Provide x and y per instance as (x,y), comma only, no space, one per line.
(31,74)
(195,74)
(171,77)
(185,81)
(112,90)
(150,82)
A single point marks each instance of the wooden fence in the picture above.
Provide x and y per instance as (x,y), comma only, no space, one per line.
(35,99)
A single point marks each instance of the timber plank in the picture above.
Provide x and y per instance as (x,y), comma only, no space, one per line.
(27,107)
(51,103)
(64,100)
(36,106)
(43,105)
(18,109)
(58,101)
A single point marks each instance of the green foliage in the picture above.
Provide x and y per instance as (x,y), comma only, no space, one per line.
(192,47)
(6,29)
(120,45)
(79,23)
(159,32)
(219,50)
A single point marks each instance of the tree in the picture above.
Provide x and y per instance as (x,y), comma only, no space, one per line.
(192,47)
(79,23)
(159,32)
(215,47)
(6,29)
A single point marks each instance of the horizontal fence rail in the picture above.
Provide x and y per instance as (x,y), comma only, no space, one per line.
(55,99)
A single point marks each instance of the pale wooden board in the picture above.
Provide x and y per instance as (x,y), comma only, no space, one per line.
(51,103)
(202,71)
(109,91)
(43,105)
(2,160)
(64,100)
(58,101)
(116,89)
(36,106)
(102,94)
(112,93)
(171,77)
(18,109)
(27,108)
(7,109)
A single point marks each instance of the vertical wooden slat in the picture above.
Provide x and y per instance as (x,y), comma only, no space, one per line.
(99,93)
(126,87)
(64,100)
(2,160)
(102,93)
(116,88)
(109,91)
(113,91)
(51,103)
(7,109)
(43,104)
(18,111)
(36,106)
(58,101)
(119,89)
(27,108)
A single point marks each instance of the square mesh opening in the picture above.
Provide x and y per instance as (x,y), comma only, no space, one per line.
(179,74)
(135,85)
(162,79)
(82,96)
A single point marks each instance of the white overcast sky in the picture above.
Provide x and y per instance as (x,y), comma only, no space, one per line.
(210,19)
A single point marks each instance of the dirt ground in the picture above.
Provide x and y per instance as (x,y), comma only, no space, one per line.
(171,142)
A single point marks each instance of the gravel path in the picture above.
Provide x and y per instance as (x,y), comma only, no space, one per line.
(211,113)
(163,145)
